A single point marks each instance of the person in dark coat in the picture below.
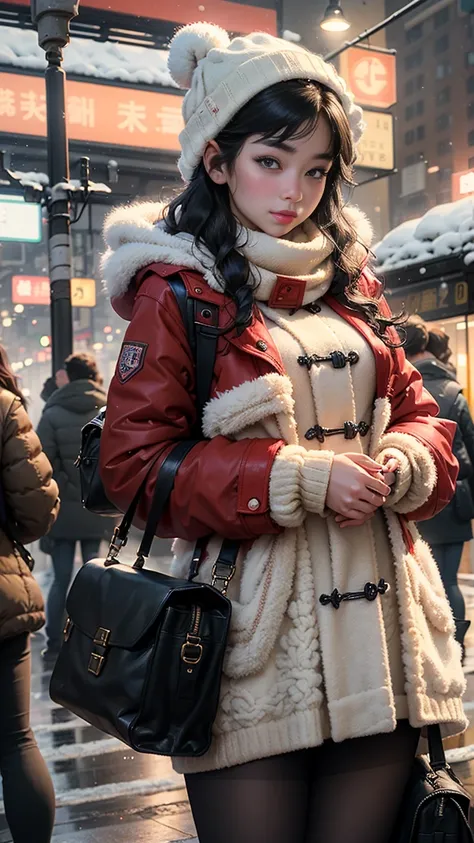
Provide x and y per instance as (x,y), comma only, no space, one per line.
(447,531)
(66,412)
(29,505)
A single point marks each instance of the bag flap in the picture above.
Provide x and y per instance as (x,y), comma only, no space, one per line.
(126,601)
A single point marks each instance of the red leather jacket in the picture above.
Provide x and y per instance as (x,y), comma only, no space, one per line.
(154,407)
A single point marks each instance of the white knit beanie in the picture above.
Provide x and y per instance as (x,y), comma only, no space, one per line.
(222,75)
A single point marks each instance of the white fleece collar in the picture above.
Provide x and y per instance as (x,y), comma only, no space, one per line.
(135,238)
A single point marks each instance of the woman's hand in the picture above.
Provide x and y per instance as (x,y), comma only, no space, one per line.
(356,488)
(384,472)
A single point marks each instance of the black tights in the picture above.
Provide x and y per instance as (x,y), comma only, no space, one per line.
(27,787)
(335,793)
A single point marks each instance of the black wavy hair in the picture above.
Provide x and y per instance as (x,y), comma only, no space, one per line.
(288,110)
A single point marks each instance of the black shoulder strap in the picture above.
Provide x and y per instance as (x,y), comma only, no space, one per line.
(436,749)
(201,320)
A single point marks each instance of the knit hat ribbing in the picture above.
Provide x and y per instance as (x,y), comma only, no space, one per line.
(223,75)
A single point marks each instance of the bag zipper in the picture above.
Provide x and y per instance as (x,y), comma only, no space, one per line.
(191,650)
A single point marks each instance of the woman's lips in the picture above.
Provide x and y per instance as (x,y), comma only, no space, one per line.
(283,217)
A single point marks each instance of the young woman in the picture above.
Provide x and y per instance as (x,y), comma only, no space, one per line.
(28,508)
(320,446)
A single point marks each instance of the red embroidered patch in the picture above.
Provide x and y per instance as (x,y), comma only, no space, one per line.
(131,360)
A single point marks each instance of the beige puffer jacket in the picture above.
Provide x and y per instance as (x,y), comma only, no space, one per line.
(31,498)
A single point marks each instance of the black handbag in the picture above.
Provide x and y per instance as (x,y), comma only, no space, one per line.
(202,339)
(143,652)
(435,808)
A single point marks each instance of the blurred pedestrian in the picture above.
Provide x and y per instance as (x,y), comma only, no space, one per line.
(438,344)
(29,499)
(450,528)
(64,415)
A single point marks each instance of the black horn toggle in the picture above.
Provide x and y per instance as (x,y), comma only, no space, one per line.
(349,431)
(370,593)
(337,358)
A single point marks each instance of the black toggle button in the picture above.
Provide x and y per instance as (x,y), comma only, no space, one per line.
(349,431)
(370,593)
(337,358)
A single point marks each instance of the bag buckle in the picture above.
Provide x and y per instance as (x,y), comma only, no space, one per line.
(191,650)
(115,547)
(222,574)
(102,636)
(96,660)
(67,629)
(96,663)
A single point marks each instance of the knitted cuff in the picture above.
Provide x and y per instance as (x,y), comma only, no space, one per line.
(286,507)
(404,474)
(408,496)
(315,475)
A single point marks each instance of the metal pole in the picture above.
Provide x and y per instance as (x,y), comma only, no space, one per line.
(52,19)
(410,7)
(59,211)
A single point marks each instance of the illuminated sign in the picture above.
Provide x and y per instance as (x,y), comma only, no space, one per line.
(19,220)
(34,289)
(233,16)
(370,75)
(375,149)
(462,184)
(107,114)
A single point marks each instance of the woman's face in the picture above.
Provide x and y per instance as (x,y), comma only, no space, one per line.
(274,188)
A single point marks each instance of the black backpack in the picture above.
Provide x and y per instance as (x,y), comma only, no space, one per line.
(203,342)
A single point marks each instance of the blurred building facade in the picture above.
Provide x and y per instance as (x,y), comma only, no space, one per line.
(435,113)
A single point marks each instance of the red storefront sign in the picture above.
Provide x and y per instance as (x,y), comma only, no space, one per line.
(30,289)
(235,17)
(371,76)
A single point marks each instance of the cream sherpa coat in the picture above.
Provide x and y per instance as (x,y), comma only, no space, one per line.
(275,696)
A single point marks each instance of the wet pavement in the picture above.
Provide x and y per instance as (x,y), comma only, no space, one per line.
(107,793)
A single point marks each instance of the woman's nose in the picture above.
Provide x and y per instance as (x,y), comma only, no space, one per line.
(292,191)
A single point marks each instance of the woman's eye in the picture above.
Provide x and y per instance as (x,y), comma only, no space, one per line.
(317,174)
(267,163)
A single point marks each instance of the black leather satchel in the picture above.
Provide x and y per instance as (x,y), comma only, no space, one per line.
(436,806)
(143,652)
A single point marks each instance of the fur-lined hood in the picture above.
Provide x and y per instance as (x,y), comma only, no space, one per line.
(135,237)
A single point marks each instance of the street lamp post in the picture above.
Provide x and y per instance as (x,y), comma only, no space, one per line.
(52,18)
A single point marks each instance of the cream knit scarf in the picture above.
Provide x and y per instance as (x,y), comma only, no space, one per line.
(136,237)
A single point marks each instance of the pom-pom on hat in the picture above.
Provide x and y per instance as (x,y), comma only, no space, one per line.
(223,75)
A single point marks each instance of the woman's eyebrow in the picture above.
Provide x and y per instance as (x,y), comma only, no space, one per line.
(287,147)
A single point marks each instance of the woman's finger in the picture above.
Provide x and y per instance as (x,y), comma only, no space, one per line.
(378,486)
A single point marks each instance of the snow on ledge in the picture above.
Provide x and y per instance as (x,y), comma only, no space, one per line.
(443,231)
(85,57)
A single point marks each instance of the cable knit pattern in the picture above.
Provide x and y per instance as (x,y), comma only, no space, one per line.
(315,475)
(421,465)
(285,487)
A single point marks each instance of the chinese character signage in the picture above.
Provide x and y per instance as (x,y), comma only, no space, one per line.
(233,16)
(19,220)
(375,149)
(34,289)
(104,113)
(462,184)
(432,301)
(370,75)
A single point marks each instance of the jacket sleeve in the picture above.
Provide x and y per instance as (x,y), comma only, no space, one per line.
(222,486)
(466,429)
(46,433)
(421,442)
(31,495)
